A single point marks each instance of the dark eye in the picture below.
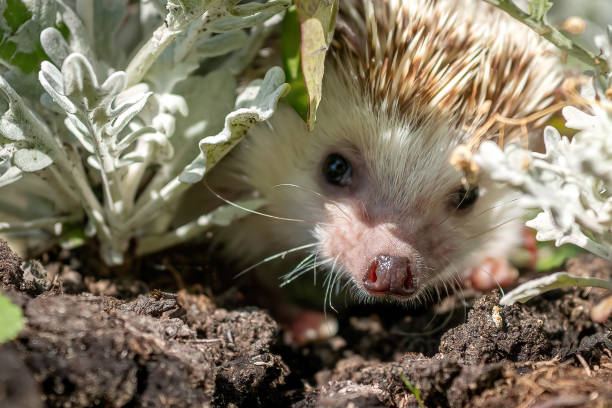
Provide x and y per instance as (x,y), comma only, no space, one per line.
(337,170)
(464,198)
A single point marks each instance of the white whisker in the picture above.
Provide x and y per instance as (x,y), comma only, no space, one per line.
(233,204)
(299,270)
(316,194)
(501,224)
(278,255)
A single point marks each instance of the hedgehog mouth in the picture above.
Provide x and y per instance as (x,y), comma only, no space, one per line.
(385,295)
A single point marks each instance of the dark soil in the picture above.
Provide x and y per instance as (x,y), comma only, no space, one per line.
(171,331)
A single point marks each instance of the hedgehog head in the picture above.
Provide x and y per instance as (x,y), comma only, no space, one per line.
(405,83)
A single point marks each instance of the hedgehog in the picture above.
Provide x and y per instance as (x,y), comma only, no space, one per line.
(370,195)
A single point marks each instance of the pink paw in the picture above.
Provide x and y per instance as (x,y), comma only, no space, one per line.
(308,326)
(493,272)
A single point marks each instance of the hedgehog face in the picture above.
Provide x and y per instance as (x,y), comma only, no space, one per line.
(397,220)
(405,82)
(376,191)
(398,231)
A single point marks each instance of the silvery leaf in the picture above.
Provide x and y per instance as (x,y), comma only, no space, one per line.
(127,99)
(210,99)
(86,114)
(194,171)
(47,101)
(108,17)
(536,287)
(94,162)
(114,84)
(51,79)
(20,44)
(165,123)
(54,45)
(12,175)
(129,95)
(26,37)
(182,12)
(576,119)
(236,22)
(130,158)
(111,255)
(80,132)
(174,104)
(222,44)
(30,160)
(132,137)
(255,104)
(79,78)
(6,153)
(164,150)
(9,127)
(499,167)
(79,38)
(128,112)
(152,14)
(570,182)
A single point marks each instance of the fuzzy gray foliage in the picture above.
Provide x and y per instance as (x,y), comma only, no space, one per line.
(572,182)
(107,143)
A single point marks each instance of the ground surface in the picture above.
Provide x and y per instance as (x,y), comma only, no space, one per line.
(167,332)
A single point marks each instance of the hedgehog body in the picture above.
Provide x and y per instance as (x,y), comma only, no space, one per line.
(405,83)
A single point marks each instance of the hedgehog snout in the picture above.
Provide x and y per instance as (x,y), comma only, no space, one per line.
(389,275)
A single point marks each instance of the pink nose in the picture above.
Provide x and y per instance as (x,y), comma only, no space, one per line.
(389,275)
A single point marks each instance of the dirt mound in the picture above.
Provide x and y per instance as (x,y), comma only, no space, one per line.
(162,349)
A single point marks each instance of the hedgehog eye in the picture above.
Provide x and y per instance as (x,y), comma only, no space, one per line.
(464,198)
(337,170)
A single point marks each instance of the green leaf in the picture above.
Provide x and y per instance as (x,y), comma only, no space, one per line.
(20,27)
(414,390)
(539,8)
(551,257)
(11,319)
(312,28)
(15,14)
(292,64)
(73,236)
(317,21)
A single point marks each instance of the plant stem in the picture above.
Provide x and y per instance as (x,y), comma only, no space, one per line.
(134,174)
(104,159)
(186,232)
(162,37)
(553,35)
(40,223)
(57,178)
(91,205)
(598,249)
(154,243)
(146,56)
(169,192)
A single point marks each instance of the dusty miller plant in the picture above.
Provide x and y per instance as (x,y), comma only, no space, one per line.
(571,183)
(103,123)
